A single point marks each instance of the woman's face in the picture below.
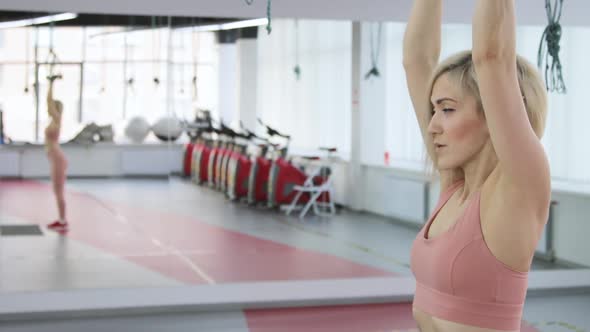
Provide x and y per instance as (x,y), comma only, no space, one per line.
(458,129)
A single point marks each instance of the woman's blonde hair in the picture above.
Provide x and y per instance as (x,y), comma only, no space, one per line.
(462,72)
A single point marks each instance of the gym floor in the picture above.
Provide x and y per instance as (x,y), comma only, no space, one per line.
(128,233)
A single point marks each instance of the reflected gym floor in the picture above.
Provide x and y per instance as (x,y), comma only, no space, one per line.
(128,233)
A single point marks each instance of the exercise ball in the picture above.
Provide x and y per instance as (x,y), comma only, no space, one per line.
(167,128)
(137,129)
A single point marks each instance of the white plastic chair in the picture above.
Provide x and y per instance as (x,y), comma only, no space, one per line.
(315,192)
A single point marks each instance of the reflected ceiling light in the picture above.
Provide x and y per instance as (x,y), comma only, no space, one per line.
(37,20)
(198,28)
(232,25)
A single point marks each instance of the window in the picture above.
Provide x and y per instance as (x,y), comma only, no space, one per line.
(314,110)
(104,59)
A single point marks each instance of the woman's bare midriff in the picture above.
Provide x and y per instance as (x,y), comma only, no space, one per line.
(429,323)
(51,145)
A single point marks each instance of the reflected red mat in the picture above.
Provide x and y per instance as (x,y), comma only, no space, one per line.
(174,245)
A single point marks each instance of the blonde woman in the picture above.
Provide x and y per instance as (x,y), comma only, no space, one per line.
(57,160)
(482,113)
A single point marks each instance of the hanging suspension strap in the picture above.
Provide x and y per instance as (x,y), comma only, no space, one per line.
(104,67)
(28,60)
(268,14)
(104,60)
(155,52)
(375,52)
(52,58)
(549,47)
(129,78)
(297,68)
(268,17)
(196,48)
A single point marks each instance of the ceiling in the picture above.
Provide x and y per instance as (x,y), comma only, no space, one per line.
(456,11)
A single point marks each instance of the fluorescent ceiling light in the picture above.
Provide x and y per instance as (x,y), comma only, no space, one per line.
(38,20)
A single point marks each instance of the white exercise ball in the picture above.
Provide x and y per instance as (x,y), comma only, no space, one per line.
(137,129)
(167,128)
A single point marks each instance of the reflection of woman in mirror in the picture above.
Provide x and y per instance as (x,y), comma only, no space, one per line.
(57,159)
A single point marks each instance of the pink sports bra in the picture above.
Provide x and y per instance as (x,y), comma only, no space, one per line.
(52,134)
(458,278)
